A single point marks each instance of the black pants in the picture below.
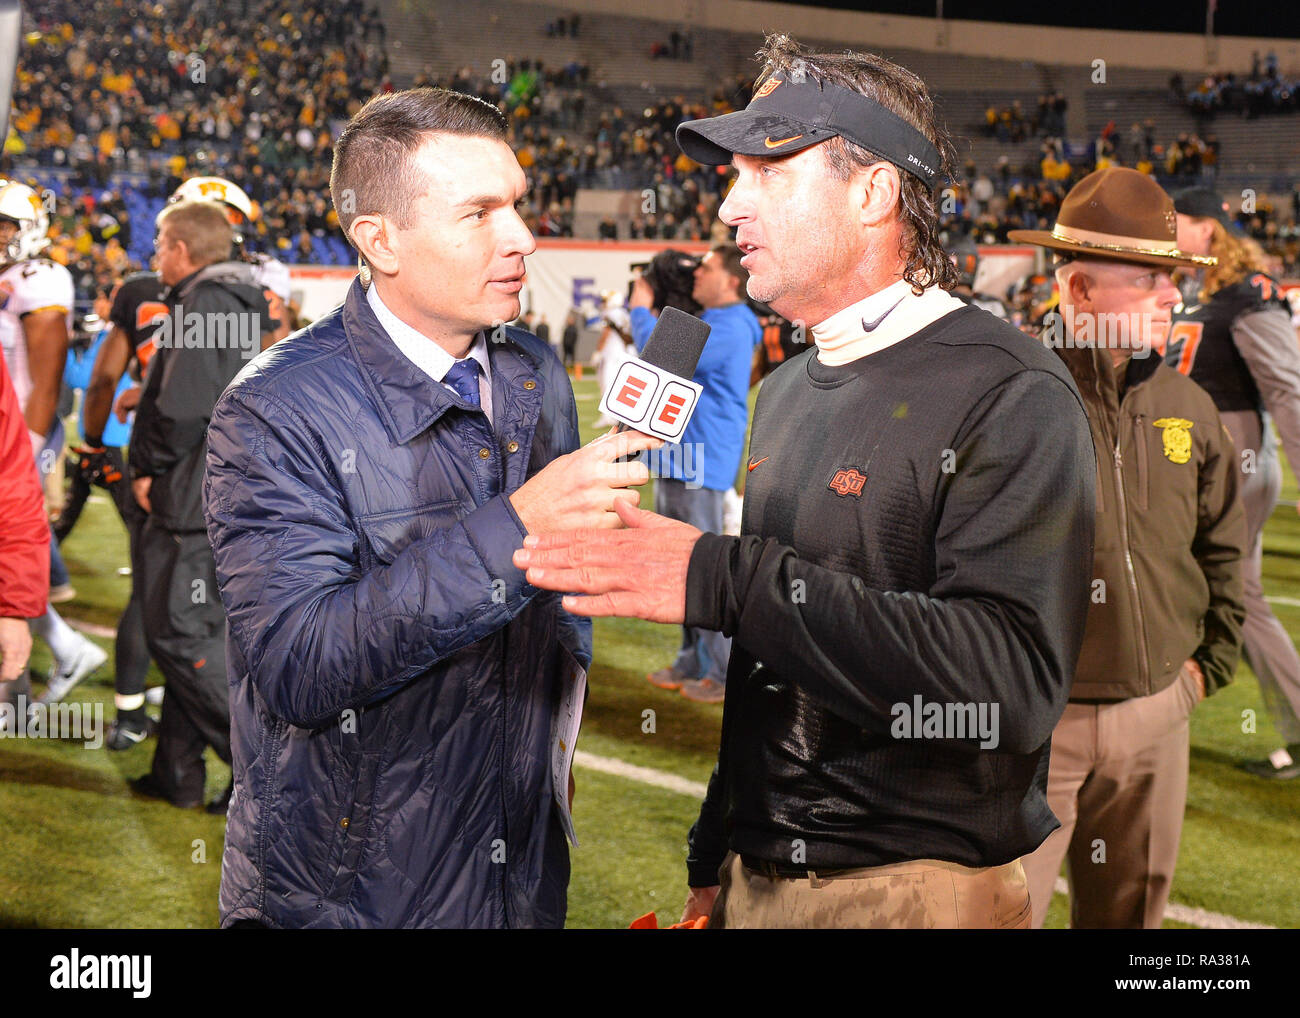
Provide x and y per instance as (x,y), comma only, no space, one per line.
(131,652)
(186,630)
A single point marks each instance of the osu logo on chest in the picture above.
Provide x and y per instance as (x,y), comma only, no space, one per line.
(848,481)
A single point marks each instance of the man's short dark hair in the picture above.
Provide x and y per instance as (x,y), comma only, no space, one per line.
(903,93)
(730,255)
(373,172)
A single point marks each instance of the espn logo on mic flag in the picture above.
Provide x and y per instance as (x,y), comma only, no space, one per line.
(650,400)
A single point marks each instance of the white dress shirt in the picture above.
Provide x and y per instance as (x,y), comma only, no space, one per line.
(427,355)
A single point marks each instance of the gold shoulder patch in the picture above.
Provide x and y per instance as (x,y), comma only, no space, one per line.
(1178,438)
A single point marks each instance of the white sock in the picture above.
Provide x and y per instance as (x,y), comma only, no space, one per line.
(63,640)
(128,701)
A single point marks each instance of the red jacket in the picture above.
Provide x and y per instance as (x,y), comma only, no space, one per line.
(24,531)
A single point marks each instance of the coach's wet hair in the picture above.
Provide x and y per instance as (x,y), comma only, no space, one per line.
(901,92)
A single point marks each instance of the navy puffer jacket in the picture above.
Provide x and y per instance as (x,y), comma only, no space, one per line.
(393,677)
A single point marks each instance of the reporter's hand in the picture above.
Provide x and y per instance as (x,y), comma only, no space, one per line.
(15,648)
(1195,668)
(699,902)
(127,402)
(140,487)
(577,490)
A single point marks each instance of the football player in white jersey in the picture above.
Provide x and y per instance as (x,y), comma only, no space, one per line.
(36,298)
(269,273)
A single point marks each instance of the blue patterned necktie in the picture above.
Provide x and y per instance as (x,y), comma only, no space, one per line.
(463,377)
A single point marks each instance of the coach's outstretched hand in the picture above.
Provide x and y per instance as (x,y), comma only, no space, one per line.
(699,902)
(639,572)
(579,490)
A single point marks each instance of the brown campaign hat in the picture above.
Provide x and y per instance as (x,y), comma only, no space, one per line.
(1117,214)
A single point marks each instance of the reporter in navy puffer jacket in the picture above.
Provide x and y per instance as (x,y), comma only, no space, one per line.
(394,680)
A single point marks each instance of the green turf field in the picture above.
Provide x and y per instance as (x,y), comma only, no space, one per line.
(78,850)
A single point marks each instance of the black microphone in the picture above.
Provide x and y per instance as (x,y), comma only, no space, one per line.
(659,401)
(676,343)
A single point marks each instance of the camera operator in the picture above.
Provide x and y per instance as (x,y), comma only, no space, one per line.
(694,476)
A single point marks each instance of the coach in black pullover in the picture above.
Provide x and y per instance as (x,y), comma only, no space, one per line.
(957,571)
(908,593)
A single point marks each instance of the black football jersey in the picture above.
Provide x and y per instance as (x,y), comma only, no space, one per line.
(1200,342)
(137,309)
(780,341)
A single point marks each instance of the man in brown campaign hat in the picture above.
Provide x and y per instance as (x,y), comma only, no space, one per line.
(1166,607)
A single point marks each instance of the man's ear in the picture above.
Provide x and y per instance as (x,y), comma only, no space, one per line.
(878,194)
(370,234)
(1078,287)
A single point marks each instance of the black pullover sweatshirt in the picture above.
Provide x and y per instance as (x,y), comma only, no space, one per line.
(917,538)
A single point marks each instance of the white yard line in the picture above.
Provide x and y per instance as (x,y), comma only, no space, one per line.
(645,775)
(90,629)
(1201,917)
(696,790)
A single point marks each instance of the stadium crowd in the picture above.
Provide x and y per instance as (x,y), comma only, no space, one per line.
(98,127)
(118,111)
(1263,91)
(1010,123)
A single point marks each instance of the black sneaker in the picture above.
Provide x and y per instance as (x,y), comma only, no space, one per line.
(126,732)
(150,789)
(220,806)
(1281,765)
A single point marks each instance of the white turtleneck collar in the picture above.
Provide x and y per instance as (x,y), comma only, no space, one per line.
(878,321)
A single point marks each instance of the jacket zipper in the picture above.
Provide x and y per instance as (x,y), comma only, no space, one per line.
(1144,474)
(505,716)
(335,891)
(1143,665)
(505,810)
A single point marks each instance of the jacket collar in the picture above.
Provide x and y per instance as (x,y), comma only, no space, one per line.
(409,401)
(1092,371)
(218,272)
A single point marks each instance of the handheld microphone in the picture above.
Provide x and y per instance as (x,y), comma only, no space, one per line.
(654,393)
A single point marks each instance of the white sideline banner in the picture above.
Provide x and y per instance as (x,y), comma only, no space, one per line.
(563,274)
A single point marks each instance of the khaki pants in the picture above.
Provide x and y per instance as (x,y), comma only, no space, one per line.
(1118,784)
(922,894)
